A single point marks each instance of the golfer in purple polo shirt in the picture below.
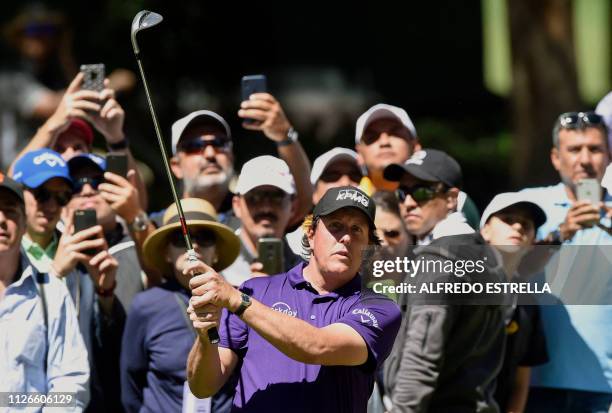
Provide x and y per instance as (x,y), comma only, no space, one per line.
(308,340)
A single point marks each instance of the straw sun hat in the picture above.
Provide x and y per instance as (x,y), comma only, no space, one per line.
(199,214)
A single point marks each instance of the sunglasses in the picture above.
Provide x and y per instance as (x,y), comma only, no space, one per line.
(573,120)
(391,234)
(196,146)
(420,193)
(334,176)
(81,182)
(259,197)
(42,195)
(202,237)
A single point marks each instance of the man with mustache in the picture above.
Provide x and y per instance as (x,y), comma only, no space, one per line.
(264,202)
(579,374)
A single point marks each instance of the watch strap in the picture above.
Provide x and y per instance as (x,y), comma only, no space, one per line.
(246,303)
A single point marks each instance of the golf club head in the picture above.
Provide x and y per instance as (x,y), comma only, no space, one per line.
(143,20)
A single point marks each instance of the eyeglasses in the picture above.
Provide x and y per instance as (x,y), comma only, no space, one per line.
(196,146)
(258,197)
(334,176)
(420,193)
(573,120)
(391,234)
(202,237)
(43,195)
(81,182)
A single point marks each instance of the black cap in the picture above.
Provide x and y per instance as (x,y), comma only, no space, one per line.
(345,197)
(13,186)
(429,165)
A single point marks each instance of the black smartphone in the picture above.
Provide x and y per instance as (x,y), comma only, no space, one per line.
(93,78)
(253,84)
(84,219)
(117,163)
(270,254)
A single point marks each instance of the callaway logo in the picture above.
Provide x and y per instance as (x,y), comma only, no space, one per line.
(49,159)
(366,316)
(284,308)
(417,158)
(353,194)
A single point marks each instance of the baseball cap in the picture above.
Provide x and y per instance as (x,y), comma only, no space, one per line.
(265,170)
(11,185)
(36,167)
(346,197)
(333,155)
(180,125)
(429,165)
(383,111)
(508,199)
(87,159)
(604,108)
(82,129)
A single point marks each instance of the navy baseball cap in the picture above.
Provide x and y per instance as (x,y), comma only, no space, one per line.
(36,167)
(86,159)
(12,186)
(429,165)
(346,197)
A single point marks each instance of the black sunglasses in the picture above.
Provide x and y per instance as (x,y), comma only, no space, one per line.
(195,146)
(43,195)
(333,176)
(81,182)
(573,120)
(420,193)
(202,237)
(391,234)
(275,197)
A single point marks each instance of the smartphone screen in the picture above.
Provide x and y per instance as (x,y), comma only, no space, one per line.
(270,254)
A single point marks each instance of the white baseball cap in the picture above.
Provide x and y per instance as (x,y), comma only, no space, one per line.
(604,108)
(333,155)
(383,111)
(265,170)
(507,199)
(180,125)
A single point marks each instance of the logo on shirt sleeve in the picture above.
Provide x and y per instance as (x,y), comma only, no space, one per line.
(284,308)
(366,316)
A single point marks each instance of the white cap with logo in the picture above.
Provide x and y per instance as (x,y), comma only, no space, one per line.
(507,199)
(180,125)
(323,161)
(383,111)
(265,170)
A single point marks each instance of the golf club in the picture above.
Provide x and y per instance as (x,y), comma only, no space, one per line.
(144,20)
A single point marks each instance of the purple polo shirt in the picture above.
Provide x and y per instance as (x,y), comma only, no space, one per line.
(272,382)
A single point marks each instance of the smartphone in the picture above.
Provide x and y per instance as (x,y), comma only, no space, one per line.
(588,190)
(253,84)
(84,219)
(270,254)
(117,163)
(93,78)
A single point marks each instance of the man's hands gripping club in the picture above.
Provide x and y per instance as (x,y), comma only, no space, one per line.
(210,294)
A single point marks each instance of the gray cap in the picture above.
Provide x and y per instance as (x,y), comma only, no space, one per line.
(180,125)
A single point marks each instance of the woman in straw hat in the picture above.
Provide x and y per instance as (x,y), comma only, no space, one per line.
(158,334)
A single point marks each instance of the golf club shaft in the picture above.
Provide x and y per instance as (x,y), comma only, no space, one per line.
(213,334)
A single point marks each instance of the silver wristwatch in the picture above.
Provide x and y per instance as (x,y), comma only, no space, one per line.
(292,136)
(140,223)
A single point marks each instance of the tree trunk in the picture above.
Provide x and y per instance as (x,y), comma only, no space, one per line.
(544,83)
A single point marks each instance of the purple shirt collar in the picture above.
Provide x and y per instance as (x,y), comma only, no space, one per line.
(297,281)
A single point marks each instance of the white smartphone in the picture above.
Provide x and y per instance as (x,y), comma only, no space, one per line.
(588,190)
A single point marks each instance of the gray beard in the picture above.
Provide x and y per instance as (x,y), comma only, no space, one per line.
(203,184)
